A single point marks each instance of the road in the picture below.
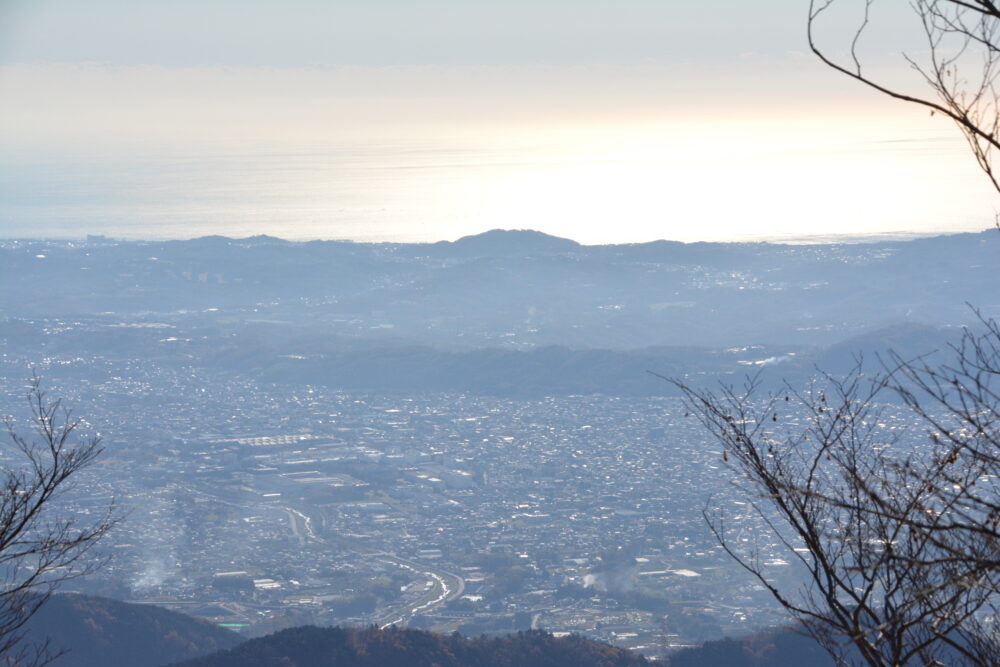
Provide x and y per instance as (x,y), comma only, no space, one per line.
(301,526)
(446,587)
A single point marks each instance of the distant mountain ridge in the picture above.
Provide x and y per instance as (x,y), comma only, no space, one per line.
(288,355)
(499,242)
(512,289)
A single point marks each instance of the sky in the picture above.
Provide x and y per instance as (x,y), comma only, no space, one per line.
(601,121)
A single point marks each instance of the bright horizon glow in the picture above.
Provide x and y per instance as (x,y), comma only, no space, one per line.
(705,142)
(604,195)
(181,163)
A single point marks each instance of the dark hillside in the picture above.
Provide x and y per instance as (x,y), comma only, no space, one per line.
(346,647)
(99,632)
(773,648)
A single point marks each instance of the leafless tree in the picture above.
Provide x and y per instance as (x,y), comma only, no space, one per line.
(883,489)
(40,546)
(955,63)
(893,522)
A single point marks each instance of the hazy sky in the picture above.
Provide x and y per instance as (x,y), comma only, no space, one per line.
(296,33)
(602,121)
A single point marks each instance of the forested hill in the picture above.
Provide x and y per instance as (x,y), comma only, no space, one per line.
(99,631)
(778,647)
(345,647)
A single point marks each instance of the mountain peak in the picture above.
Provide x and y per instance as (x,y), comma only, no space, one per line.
(513,241)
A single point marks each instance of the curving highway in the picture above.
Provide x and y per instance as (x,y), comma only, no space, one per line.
(446,587)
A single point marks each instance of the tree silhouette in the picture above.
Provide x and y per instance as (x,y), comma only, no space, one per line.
(39,547)
(955,64)
(892,515)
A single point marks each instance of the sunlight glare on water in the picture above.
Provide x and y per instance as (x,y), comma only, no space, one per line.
(685,182)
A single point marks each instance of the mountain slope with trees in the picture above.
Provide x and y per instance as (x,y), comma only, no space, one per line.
(310,646)
(100,631)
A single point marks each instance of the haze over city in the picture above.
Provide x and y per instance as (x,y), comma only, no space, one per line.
(465,333)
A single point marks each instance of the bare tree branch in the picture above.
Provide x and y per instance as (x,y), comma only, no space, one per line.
(900,562)
(39,547)
(958,64)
